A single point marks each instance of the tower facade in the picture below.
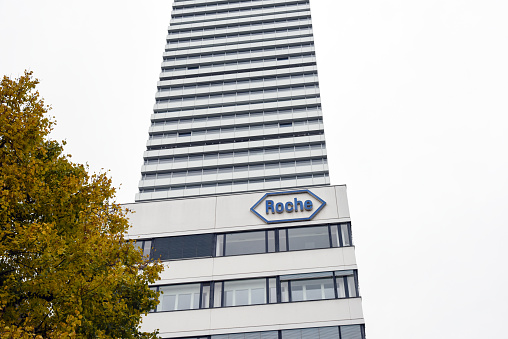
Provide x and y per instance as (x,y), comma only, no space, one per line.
(237,105)
(235,195)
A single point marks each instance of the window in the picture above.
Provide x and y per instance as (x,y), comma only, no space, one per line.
(257,335)
(305,287)
(187,246)
(258,291)
(245,292)
(245,243)
(308,238)
(346,284)
(145,246)
(346,332)
(179,297)
(312,333)
(352,332)
(241,243)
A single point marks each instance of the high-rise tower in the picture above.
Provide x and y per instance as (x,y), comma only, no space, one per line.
(235,194)
(237,104)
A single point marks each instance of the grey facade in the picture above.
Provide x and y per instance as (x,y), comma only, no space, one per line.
(237,104)
(235,196)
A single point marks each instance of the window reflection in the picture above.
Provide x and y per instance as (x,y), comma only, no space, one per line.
(245,243)
(245,292)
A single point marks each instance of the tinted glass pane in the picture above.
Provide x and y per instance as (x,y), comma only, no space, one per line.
(308,238)
(179,297)
(189,246)
(147,248)
(328,333)
(245,292)
(335,236)
(312,333)
(245,243)
(271,241)
(284,291)
(341,289)
(346,238)
(205,296)
(351,332)
(282,241)
(272,285)
(313,289)
(351,285)
(253,335)
(219,246)
(217,294)
(139,245)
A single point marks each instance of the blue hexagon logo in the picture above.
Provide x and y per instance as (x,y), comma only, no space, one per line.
(289,206)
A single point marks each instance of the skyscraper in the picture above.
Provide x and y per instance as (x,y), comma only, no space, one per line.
(235,194)
(237,104)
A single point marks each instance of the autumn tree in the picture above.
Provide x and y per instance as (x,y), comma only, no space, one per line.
(66,269)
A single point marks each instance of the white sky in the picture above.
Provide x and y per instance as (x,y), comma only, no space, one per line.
(415,103)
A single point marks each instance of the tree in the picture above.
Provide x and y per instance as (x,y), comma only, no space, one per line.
(66,269)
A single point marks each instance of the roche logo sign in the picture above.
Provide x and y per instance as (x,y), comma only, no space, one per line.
(288,206)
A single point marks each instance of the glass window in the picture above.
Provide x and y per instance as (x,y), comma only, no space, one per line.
(188,246)
(312,333)
(271,241)
(335,236)
(245,243)
(272,289)
(304,238)
(252,335)
(341,289)
(205,296)
(351,286)
(139,245)
(351,332)
(179,297)
(282,241)
(312,289)
(346,239)
(245,292)
(217,294)
(346,284)
(219,247)
(284,291)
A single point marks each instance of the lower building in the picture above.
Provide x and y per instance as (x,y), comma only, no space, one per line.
(255,265)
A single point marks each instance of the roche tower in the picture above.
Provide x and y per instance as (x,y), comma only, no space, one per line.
(235,194)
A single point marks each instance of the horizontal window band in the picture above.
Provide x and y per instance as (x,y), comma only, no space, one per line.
(259,22)
(174,22)
(255,291)
(239,9)
(231,168)
(288,97)
(295,56)
(186,119)
(235,127)
(259,81)
(237,152)
(282,105)
(226,44)
(229,182)
(215,4)
(296,26)
(330,332)
(221,141)
(235,92)
(252,56)
(167,76)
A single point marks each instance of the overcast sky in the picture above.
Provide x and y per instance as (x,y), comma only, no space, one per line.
(415,101)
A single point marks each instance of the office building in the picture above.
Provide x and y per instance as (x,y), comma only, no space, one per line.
(235,195)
